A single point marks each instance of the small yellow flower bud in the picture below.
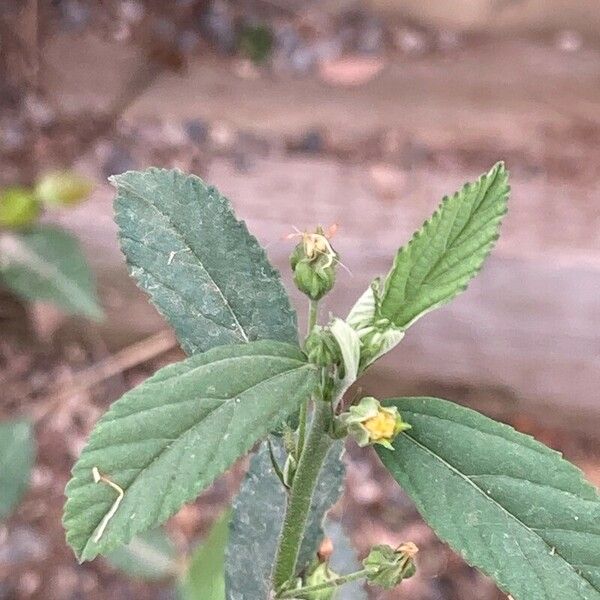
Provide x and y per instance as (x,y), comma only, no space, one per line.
(382,426)
(370,423)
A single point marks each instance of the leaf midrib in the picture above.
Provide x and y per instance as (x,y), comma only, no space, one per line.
(153,274)
(451,243)
(448,243)
(225,359)
(199,399)
(226,402)
(185,242)
(502,508)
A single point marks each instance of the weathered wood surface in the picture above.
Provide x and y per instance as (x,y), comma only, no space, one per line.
(494,16)
(528,325)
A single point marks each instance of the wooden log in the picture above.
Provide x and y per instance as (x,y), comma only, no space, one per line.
(527,327)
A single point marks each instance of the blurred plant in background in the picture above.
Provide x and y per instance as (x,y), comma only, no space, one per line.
(256,42)
(151,556)
(17,453)
(41,262)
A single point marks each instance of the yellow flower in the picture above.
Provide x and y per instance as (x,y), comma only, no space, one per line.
(382,426)
(370,423)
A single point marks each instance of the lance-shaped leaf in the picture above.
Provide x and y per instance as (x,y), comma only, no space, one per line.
(447,252)
(202,269)
(46,264)
(166,440)
(511,506)
(258,512)
(17,452)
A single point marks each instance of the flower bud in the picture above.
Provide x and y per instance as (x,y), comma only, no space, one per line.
(313,262)
(322,348)
(313,279)
(388,567)
(321,574)
(60,188)
(376,340)
(18,208)
(370,423)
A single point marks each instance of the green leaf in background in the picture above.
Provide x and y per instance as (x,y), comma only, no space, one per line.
(205,577)
(150,556)
(511,506)
(17,454)
(45,263)
(168,439)
(202,269)
(258,512)
(447,252)
(343,561)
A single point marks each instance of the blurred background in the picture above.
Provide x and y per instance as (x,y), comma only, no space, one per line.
(360,113)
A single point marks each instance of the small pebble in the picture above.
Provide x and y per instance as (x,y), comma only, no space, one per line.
(196,130)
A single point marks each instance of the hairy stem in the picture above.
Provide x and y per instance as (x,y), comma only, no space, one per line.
(332,583)
(313,310)
(300,496)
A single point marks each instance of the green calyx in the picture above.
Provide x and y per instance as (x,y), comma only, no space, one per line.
(370,423)
(322,348)
(318,584)
(19,208)
(387,567)
(321,574)
(313,262)
(376,340)
(377,334)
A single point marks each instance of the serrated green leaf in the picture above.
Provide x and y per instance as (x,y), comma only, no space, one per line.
(166,440)
(447,252)
(202,269)
(17,454)
(150,556)
(205,578)
(258,512)
(46,264)
(511,506)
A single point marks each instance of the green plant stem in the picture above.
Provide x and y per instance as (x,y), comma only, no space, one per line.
(341,580)
(313,311)
(299,499)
